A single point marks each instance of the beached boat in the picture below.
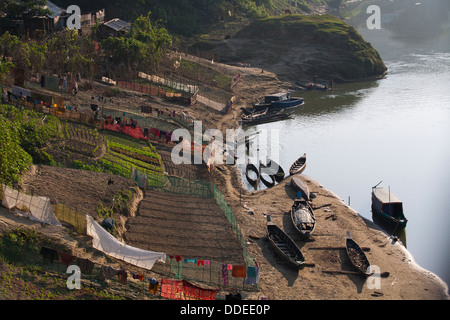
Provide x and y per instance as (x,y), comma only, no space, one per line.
(299,185)
(298,166)
(284,245)
(317,86)
(265,117)
(287,103)
(253,112)
(251,168)
(302,216)
(281,100)
(268,180)
(357,256)
(388,208)
(265,176)
(274,169)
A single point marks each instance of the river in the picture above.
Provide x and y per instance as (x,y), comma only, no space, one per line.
(394,130)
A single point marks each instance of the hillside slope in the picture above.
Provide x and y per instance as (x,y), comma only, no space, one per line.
(297,47)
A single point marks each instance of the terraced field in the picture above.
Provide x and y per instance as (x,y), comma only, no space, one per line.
(188,226)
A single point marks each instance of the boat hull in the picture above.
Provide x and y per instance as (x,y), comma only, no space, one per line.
(284,246)
(388,208)
(303,218)
(300,186)
(273,169)
(251,167)
(298,166)
(357,257)
(287,104)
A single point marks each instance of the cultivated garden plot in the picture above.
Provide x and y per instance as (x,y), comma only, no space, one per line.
(189,226)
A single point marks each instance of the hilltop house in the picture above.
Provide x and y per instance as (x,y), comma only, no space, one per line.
(113,28)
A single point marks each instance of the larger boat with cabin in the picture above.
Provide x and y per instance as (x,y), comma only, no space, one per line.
(281,100)
(388,208)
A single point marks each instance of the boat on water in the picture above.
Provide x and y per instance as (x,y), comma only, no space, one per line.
(253,112)
(274,169)
(357,256)
(281,100)
(266,178)
(317,86)
(251,168)
(264,117)
(299,185)
(302,216)
(284,246)
(388,208)
(298,166)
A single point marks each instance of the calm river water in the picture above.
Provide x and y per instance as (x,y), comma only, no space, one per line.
(396,130)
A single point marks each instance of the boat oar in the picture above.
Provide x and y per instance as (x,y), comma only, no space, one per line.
(336,248)
(383,274)
(308,264)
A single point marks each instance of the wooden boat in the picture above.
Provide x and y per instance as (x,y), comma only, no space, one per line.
(274,169)
(284,245)
(302,216)
(299,185)
(317,86)
(357,256)
(281,100)
(388,208)
(298,166)
(264,118)
(254,112)
(266,177)
(251,167)
(288,103)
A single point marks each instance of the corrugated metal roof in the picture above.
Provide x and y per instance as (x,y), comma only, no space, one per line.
(382,194)
(55,10)
(118,24)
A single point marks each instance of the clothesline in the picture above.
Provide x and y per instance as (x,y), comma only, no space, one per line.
(250,274)
(87,266)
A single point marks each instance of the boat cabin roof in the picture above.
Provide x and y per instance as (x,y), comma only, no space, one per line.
(277,96)
(382,194)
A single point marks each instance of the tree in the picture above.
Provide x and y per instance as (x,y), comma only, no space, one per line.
(18,9)
(13,158)
(142,47)
(5,70)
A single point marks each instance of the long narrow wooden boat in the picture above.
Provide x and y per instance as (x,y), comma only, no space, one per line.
(299,185)
(253,112)
(357,256)
(298,166)
(284,246)
(264,118)
(266,178)
(274,169)
(288,103)
(388,208)
(303,218)
(251,167)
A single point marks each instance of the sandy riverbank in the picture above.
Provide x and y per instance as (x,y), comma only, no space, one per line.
(406,280)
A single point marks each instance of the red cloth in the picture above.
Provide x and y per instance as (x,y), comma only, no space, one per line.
(184,290)
(238,271)
(65,258)
(136,132)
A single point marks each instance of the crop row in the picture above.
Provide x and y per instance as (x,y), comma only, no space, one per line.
(144,153)
(121,158)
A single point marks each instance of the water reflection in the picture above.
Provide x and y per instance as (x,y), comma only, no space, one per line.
(341,98)
(399,233)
